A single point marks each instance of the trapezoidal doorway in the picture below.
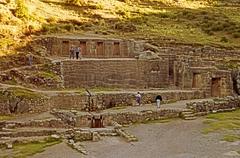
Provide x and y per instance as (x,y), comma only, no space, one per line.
(197,80)
(216,87)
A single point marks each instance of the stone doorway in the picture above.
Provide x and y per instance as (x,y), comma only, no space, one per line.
(197,80)
(100,50)
(97,122)
(65,48)
(83,46)
(116,49)
(216,87)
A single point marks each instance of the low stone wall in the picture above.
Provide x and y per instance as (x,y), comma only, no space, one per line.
(46,123)
(126,117)
(97,101)
(108,100)
(216,105)
(140,117)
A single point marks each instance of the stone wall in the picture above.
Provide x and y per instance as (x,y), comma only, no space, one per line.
(85,120)
(198,51)
(22,101)
(195,73)
(100,100)
(91,47)
(130,73)
(219,104)
(109,100)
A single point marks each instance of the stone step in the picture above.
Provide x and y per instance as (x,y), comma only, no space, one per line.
(189,115)
(190,118)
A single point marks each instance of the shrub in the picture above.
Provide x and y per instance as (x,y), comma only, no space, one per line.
(21,10)
(224,39)
(125,26)
(236,35)
(76,2)
(52,19)
(69,27)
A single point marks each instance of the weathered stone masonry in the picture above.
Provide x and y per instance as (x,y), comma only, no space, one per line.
(91,47)
(116,73)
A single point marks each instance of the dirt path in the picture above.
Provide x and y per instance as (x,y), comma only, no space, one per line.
(177,139)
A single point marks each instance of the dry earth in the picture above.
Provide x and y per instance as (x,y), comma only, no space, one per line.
(176,139)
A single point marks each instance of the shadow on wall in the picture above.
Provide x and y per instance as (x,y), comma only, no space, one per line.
(236,81)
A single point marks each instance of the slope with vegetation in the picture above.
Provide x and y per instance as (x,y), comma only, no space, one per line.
(204,22)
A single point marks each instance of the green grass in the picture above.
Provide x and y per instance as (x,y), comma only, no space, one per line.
(102,89)
(6,117)
(223,122)
(48,75)
(29,149)
(231,138)
(24,93)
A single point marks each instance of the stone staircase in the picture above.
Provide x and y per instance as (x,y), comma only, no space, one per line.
(188,114)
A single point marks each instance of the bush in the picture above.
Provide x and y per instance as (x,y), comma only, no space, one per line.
(21,10)
(76,2)
(52,19)
(69,27)
(236,35)
(125,26)
(224,39)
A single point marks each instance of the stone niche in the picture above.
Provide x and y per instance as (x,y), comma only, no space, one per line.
(91,47)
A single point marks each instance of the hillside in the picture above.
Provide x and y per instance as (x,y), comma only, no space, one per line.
(210,22)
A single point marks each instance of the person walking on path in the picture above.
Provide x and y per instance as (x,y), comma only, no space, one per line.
(158,100)
(71,52)
(138,98)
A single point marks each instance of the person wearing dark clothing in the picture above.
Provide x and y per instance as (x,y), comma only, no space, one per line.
(72,52)
(158,100)
(78,52)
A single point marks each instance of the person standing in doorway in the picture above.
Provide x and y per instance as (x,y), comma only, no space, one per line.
(138,98)
(71,52)
(158,100)
(77,52)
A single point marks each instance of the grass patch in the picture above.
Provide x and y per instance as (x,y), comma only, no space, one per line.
(29,149)
(6,117)
(222,122)
(23,93)
(102,89)
(231,138)
(48,75)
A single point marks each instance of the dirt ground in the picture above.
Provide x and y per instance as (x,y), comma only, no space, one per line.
(176,139)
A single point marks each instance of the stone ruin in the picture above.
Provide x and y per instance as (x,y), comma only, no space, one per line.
(137,65)
(130,66)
